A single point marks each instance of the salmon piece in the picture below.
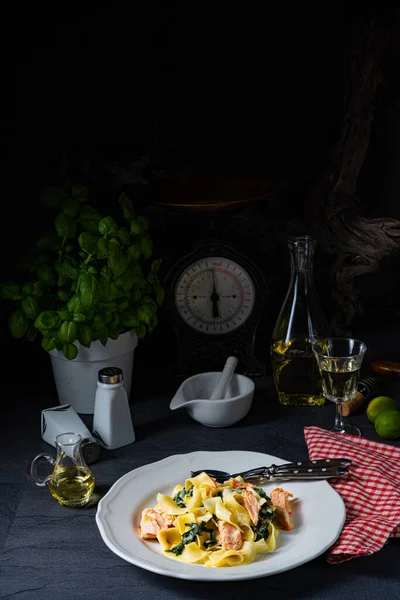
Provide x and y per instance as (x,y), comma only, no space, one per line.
(251,505)
(152,521)
(216,482)
(283,512)
(230,538)
(235,484)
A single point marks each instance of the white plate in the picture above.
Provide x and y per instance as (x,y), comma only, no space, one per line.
(318,515)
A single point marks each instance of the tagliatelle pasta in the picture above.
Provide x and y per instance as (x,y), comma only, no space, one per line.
(217,525)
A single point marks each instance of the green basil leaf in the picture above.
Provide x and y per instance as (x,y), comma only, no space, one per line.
(145,314)
(46,274)
(129,319)
(102,248)
(115,240)
(74,304)
(113,333)
(98,323)
(135,228)
(113,292)
(79,317)
(108,318)
(69,268)
(88,290)
(70,207)
(68,332)
(81,192)
(123,236)
(123,304)
(143,222)
(118,263)
(27,289)
(159,292)
(140,330)
(146,246)
(134,252)
(136,295)
(107,226)
(104,290)
(30,306)
(126,281)
(89,218)
(65,225)
(70,351)
(127,207)
(106,273)
(93,270)
(88,242)
(31,333)
(38,289)
(48,344)
(18,323)
(48,319)
(62,294)
(11,291)
(53,196)
(50,333)
(64,315)
(155,266)
(85,335)
(63,281)
(103,335)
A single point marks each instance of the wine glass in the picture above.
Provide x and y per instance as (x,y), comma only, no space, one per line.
(339,362)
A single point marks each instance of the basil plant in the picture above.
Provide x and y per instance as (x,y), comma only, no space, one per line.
(90,279)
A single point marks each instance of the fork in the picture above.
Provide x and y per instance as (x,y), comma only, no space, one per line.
(313,469)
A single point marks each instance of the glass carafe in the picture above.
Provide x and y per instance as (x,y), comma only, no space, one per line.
(71,482)
(300,322)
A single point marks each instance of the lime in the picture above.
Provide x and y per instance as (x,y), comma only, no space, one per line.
(378,405)
(387,424)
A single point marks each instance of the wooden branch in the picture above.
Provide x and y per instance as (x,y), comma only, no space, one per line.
(358,243)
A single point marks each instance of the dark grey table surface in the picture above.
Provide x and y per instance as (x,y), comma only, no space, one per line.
(52,552)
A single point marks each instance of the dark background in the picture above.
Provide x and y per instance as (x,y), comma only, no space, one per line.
(255,92)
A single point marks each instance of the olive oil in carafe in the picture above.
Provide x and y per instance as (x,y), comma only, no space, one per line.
(295,374)
(72,485)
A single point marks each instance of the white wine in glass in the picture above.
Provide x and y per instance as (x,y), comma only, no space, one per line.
(339,361)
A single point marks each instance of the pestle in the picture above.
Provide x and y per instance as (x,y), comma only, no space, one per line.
(225,379)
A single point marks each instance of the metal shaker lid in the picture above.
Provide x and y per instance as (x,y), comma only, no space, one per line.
(90,450)
(110,375)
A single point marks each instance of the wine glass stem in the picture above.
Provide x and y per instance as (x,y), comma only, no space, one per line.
(339,426)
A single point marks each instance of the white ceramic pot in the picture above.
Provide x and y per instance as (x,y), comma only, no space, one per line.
(76,380)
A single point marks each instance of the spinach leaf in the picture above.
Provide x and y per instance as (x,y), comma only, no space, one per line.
(266,513)
(261,531)
(261,493)
(180,496)
(189,536)
(212,541)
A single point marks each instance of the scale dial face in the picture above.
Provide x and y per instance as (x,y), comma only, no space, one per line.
(214,296)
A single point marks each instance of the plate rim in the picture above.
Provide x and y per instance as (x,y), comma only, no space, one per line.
(103,510)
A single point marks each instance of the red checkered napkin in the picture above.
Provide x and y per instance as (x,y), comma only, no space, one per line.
(371,491)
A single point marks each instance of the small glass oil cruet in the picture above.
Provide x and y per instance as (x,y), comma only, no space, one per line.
(72,482)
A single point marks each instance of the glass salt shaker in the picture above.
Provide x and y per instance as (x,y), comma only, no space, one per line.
(112,421)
